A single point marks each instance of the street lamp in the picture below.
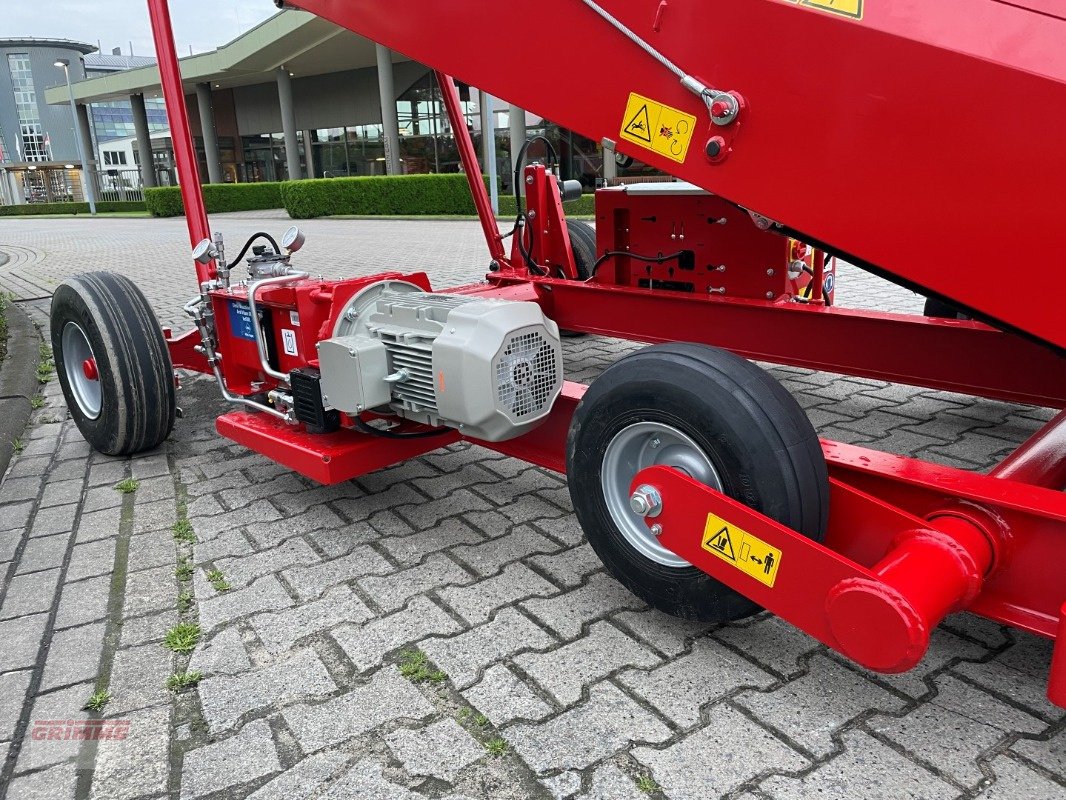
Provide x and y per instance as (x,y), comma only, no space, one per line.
(86,174)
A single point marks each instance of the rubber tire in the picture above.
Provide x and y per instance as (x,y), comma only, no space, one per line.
(941,310)
(583,246)
(763,447)
(138,403)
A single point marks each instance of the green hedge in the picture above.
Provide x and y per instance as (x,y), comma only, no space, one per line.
(32,209)
(584,205)
(394,195)
(165,201)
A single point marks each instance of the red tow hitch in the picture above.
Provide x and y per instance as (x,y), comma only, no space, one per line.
(882,615)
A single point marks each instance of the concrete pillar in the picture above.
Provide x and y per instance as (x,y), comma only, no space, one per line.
(488,147)
(610,166)
(144,139)
(288,123)
(390,128)
(207,126)
(517,125)
(89,172)
(309,155)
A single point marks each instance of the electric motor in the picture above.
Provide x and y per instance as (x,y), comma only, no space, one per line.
(492,368)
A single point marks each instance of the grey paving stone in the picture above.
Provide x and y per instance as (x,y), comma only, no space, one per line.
(139,764)
(679,688)
(385,697)
(64,704)
(668,634)
(422,514)
(608,721)
(13,686)
(227,543)
(367,781)
(812,707)
(73,656)
(153,549)
(412,548)
(55,783)
(1019,673)
(25,488)
(209,525)
(1014,780)
(366,645)
(390,592)
(771,641)
(566,613)
(91,559)
(503,697)
(610,783)
(336,542)
(463,656)
(149,628)
(944,648)
(440,750)
(264,594)
(718,758)
(43,552)
(1049,753)
(304,778)
(475,603)
(311,581)
(95,525)
(149,590)
(249,755)
(28,594)
(317,519)
(138,676)
(955,727)
(241,570)
(9,541)
(21,638)
(564,785)
(84,601)
(868,769)
(223,654)
(569,567)
(280,630)
(567,670)
(226,698)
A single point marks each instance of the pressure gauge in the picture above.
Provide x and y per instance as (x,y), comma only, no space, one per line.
(204,252)
(293,239)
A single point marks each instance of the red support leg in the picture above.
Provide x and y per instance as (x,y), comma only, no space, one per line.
(1056,688)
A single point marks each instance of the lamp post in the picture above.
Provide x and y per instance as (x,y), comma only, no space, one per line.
(86,174)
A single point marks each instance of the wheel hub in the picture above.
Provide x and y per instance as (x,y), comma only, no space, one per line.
(83,375)
(635,448)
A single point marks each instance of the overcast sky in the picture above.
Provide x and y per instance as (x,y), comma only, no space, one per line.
(203,24)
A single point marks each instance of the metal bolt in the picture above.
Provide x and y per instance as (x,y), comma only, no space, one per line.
(350,314)
(715,146)
(769,273)
(656,529)
(529,179)
(646,501)
(325,400)
(655,442)
(532,215)
(494,266)
(769,295)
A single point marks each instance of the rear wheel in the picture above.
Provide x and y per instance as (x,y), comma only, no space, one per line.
(583,246)
(720,419)
(113,363)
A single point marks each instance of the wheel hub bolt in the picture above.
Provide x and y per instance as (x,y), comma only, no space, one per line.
(646,501)
(88,368)
(656,530)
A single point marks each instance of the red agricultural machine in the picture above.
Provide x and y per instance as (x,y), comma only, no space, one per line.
(920,141)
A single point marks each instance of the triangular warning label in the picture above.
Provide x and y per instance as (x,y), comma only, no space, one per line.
(640,126)
(847,8)
(723,544)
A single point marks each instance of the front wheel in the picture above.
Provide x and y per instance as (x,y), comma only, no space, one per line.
(113,363)
(719,419)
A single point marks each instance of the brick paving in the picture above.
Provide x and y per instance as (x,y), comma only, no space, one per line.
(541,677)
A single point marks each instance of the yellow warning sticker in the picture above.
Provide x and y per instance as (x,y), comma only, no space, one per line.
(847,8)
(743,550)
(658,127)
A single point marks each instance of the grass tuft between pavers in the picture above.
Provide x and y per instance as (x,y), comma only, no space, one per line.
(182,638)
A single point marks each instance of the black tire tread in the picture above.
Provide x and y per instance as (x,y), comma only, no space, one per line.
(583,245)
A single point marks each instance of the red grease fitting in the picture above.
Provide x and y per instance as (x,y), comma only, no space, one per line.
(88,367)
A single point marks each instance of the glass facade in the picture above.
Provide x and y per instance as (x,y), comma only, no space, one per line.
(31,135)
(114,119)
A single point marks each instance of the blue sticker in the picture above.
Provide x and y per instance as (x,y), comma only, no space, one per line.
(830,282)
(240,320)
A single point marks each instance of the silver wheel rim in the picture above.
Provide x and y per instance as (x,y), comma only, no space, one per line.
(637,447)
(76,351)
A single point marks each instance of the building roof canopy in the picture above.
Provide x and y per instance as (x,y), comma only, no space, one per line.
(301,42)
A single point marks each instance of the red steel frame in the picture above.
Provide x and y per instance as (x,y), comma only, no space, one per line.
(908,541)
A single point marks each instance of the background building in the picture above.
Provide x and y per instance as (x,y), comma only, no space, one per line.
(38,150)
